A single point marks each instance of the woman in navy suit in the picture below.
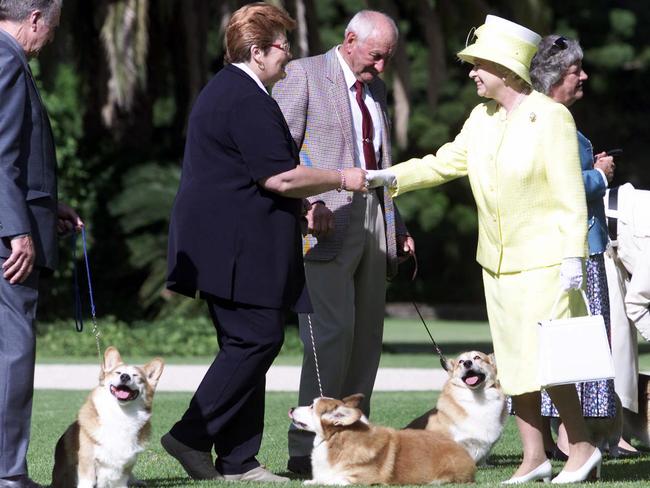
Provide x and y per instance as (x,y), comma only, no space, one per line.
(235,238)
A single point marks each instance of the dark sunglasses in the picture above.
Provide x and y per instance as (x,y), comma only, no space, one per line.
(559,44)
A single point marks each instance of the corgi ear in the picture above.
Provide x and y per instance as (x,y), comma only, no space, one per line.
(492,358)
(111,358)
(153,369)
(343,415)
(353,400)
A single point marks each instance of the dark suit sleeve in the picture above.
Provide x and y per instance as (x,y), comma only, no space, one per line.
(261,135)
(13,93)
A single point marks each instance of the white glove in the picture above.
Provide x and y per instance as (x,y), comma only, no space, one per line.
(571,274)
(380,177)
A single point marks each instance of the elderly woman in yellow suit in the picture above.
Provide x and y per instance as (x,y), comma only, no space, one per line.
(520,153)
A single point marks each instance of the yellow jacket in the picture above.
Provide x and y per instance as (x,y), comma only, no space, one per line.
(525,175)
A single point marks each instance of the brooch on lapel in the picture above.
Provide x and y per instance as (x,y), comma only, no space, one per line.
(532,116)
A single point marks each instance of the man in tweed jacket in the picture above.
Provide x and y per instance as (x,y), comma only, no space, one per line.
(353,239)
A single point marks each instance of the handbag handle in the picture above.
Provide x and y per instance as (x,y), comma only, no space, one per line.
(562,292)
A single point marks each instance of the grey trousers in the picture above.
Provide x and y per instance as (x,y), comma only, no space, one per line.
(348,294)
(17,356)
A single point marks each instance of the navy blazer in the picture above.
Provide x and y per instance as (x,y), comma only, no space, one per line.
(228,236)
(28,200)
(595,191)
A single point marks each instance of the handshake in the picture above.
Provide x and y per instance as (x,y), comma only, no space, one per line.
(356,179)
(380,177)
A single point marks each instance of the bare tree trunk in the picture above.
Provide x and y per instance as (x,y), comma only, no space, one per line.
(126,43)
(306,37)
(401,80)
(402,111)
(437,65)
(313,28)
(302,30)
(195,19)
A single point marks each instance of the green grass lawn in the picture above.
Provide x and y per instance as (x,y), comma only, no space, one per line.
(406,345)
(54,410)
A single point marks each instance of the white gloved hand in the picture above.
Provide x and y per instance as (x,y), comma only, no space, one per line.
(571,274)
(380,177)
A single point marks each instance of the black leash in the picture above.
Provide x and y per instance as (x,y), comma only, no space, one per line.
(443,359)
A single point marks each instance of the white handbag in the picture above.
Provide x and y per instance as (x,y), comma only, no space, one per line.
(574,350)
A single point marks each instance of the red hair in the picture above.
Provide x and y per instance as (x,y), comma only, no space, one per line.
(254,24)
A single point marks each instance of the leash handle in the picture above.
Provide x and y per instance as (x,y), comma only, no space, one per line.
(76,296)
(78,315)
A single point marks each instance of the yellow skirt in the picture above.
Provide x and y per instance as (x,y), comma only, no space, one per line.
(516,302)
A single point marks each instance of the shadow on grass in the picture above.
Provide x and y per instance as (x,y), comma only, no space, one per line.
(449,349)
(619,470)
(293,476)
(178,481)
(501,460)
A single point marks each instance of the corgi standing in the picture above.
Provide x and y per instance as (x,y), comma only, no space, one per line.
(101,447)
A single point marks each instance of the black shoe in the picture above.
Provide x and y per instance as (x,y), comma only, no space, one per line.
(197,464)
(626,453)
(556,454)
(18,482)
(300,465)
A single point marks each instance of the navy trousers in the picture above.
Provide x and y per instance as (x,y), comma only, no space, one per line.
(227,410)
(17,355)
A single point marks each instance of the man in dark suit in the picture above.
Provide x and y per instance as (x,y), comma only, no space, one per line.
(30,217)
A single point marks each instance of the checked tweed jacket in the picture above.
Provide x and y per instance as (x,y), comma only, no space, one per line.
(314,100)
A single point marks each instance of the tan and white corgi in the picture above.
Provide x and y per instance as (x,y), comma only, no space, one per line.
(471,408)
(349,450)
(101,447)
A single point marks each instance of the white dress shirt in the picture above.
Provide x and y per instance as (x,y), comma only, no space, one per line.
(357,118)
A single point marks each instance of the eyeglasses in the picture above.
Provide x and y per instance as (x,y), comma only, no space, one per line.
(286,47)
(559,44)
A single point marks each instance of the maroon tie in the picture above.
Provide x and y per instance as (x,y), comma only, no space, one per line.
(366,129)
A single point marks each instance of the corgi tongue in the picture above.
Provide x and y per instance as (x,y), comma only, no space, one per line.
(471,380)
(122,394)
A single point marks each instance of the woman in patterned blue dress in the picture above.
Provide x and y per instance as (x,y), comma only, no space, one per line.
(556,70)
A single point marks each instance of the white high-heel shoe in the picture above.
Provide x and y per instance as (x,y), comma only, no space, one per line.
(542,472)
(583,472)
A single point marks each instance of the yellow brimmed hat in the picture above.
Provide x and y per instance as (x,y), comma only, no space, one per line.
(503,42)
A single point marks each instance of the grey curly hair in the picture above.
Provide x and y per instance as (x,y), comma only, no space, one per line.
(555,54)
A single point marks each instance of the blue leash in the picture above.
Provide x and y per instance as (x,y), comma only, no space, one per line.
(78,314)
